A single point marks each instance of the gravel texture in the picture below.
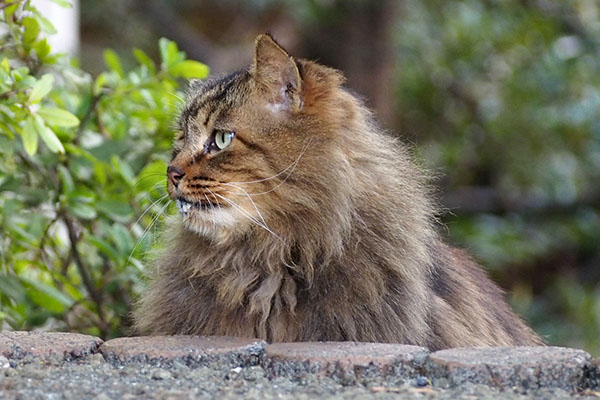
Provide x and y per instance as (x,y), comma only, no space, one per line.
(228,368)
(96,379)
(526,367)
(347,362)
(193,351)
(70,346)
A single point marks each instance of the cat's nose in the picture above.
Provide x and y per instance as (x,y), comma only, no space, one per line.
(174,174)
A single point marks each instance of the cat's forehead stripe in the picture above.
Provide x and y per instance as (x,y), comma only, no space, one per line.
(213,93)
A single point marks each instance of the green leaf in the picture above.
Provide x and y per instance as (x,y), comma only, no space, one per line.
(63,3)
(10,10)
(163,47)
(42,49)
(100,172)
(115,209)
(99,83)
(58,117)
(104,247)
(5,65)
(65,179)
(143,59)
(41,88)
(48,136)
(122,238)
(19,74)
(190,69)
(30,136)
(11,287)
(32,29)
(46,296)
(82,210)
(152,174)
(112,61)
(169,53)
(124,169)
(45,23)
(26,83)
(82,195)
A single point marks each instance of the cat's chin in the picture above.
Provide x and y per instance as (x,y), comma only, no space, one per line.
(213,224)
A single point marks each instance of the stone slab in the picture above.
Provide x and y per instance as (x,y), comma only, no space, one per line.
(19,345)
(349,362)
(592,375)
(192,351)
(506,367)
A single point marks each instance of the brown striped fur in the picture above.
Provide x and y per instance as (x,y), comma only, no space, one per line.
(315,224)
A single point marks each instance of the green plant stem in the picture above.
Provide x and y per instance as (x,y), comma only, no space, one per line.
(85,276)
(87,116)
(5,5)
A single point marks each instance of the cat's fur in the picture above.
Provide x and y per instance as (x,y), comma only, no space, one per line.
(315,224)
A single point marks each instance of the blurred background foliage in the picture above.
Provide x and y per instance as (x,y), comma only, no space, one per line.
(501,99)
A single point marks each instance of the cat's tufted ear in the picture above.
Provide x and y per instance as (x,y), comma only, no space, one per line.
(277,74)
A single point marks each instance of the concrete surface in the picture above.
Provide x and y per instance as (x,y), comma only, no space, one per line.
(73,366)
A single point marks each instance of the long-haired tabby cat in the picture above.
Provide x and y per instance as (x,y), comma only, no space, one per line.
(301,221)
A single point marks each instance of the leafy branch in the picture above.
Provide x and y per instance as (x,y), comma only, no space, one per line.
(76,152)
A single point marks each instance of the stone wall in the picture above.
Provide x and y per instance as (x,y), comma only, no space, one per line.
(349,363)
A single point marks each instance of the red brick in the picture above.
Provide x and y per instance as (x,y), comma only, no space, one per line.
(190,350)
(69,346)
(504,367)
(347,360)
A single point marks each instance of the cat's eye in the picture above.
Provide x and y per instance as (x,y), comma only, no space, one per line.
(223,139)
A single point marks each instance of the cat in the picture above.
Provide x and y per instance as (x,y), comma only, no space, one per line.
(300,220)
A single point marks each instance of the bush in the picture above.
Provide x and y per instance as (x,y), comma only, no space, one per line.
(81,178)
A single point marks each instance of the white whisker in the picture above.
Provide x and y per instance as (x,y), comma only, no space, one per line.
(214,197)
(292,166)
(211,207)
(251,201)
(251,218)
(149,175)
(139,241)
(161,198)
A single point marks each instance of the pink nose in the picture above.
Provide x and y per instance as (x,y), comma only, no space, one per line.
(174,174)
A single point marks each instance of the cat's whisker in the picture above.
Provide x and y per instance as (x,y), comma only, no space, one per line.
(150,175)
(251,218)
(251,201)
(211,207)
(160,187)
(152,223)
(149,208)
(178,97)
(152,192)
(216,201)
(292,166)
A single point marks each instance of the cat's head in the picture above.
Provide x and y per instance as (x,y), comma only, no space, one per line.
(257,146)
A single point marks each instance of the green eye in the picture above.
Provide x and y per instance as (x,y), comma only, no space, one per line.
(223,139)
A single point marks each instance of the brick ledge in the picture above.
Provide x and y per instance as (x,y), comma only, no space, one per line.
(347,362)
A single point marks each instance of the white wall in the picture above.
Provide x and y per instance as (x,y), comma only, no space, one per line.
(66,22)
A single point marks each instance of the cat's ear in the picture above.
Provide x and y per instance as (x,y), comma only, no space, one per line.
(277,74)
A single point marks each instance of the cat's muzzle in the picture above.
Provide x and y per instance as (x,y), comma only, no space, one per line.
(185,206)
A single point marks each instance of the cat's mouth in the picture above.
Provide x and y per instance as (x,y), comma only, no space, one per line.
(206,218)
(185,206)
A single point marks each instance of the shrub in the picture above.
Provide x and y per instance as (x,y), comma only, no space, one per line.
(81,176)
